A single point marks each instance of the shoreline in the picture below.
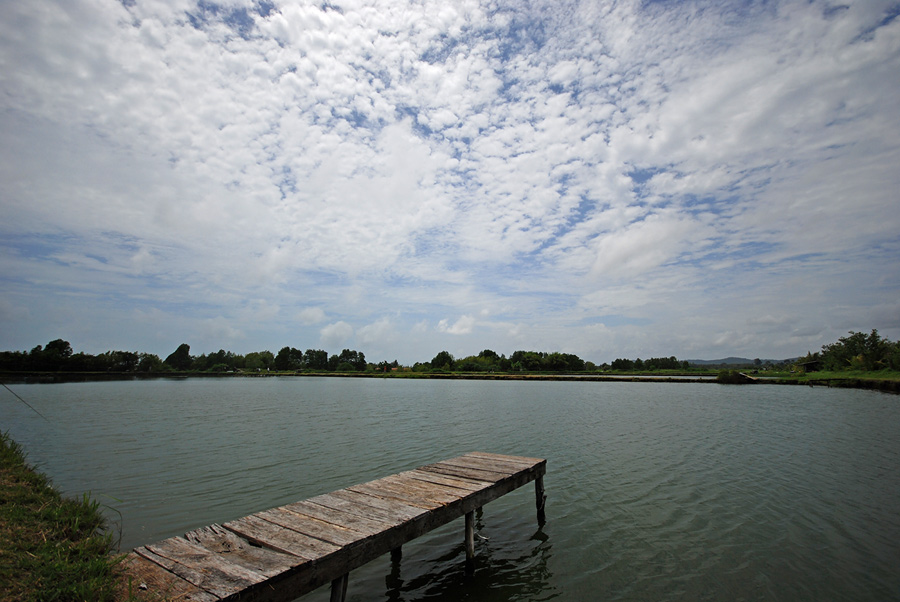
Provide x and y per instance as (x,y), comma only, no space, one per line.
(854,382)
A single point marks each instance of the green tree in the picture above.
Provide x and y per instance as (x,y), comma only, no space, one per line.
(316,359)
(259,360)
(857,351)
(148,362)
(180,359)
(443,361)
(356,359)
(622,365)
(289,358)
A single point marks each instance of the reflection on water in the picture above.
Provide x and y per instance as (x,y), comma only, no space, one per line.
(504,570)
(655,491)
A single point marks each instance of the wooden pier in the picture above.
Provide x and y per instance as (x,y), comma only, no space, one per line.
(283,553)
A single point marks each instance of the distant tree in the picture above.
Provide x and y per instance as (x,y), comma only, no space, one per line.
(118,361)
(259,360)
(386,366)
(443,361)
(180,359)
(289,358)
(530,361)
(858,351)
(622,365)
(55,356)
(333,362)
(315,359)
(148,362)
(356,359)
(60,348)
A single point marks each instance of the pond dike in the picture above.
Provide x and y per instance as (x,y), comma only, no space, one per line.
(283,553)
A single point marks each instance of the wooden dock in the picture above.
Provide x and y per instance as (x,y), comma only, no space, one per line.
(283,553)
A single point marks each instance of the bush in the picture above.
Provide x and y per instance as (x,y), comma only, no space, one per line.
(731,377)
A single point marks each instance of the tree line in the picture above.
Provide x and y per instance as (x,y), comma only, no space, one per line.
(857,351)
(58,356)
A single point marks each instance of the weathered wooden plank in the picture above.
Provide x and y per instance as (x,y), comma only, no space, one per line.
(327,532)
(239,551)
(464,472)
(434,491)
(504,465)
(271,536)
(354,506)
(483,464)
(146,580)
(467,485)
(386,490)
(203,568)
(361,524)
(380,504)
(521,461)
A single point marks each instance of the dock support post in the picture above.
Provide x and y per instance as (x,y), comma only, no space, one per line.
(470,541)
(540,499)
(397,554)
(339,588)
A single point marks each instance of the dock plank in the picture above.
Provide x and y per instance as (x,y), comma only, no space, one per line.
(269,535)
(362,524)
(203,568)
(239,551)
(361,510)
(458,483)
(482,464)
(387,490)
(321,530)
(454,470)
(379,505)
(143,575)
(432,491)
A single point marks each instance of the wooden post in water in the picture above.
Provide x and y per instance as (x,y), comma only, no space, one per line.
(339,588)
(540,499)
(397,554)
(470,541)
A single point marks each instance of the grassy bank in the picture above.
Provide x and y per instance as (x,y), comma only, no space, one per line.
(881,380)
(51,547)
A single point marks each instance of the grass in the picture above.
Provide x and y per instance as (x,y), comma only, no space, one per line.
(51,548)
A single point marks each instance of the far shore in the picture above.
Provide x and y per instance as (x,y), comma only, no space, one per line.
(887,383)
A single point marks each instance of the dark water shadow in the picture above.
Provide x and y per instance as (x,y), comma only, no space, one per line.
(503,571)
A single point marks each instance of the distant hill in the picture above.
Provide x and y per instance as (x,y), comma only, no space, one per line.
(734,361)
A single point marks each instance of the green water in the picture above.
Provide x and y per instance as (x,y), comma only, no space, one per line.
(655,491)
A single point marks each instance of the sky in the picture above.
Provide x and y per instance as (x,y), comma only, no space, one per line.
(616,178)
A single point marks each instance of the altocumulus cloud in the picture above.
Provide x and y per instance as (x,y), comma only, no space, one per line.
(610,179)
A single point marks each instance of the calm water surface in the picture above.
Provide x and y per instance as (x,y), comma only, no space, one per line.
(655,491)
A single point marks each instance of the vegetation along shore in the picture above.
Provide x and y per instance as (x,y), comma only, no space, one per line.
(857,360)
(51,547)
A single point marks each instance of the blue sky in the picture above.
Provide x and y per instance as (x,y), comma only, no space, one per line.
(611,179)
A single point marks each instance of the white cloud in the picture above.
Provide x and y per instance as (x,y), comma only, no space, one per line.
(336,334)
(463,325)
(311,315)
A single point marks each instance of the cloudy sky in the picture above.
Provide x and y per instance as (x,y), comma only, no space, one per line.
(615,178)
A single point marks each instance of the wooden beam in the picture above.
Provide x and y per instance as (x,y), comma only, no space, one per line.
(470,541)
(339,588)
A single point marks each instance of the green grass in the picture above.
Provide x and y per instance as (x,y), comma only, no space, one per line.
(51,548)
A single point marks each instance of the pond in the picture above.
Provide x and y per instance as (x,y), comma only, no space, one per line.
(655,491)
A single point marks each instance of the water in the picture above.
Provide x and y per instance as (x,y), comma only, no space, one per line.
(655,491)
